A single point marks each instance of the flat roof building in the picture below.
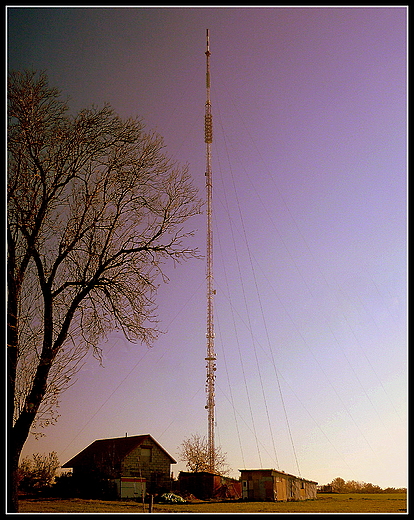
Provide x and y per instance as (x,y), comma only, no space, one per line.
(275,485)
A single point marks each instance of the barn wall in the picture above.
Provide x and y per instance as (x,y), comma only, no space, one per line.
(130,487)
(156,469)
(310,490)
(206,485)
(272,485)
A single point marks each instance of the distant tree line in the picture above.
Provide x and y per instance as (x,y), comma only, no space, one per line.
(339,485)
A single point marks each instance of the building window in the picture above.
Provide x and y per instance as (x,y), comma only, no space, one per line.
(145,457)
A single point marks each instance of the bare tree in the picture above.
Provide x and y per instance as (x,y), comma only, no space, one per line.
(94,210)
(194,452)
(38,471)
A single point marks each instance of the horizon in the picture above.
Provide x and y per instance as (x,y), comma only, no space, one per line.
(309,166)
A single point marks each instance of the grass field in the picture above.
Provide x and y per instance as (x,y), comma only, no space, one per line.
(326,503)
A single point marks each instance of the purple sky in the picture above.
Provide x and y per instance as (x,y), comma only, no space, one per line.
(310,244)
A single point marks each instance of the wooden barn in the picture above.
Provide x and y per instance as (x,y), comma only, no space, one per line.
(124,467)
(273,485)
(205,485)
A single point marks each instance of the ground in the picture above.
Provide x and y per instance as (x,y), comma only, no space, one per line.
(324,503)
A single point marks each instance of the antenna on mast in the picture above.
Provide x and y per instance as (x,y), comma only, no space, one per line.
(211,356)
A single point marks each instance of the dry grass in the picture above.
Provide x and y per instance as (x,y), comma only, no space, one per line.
(346,503)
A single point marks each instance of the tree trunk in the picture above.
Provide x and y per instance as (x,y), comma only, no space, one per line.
(13,452)
(18,434)
(15,445)
(13,487)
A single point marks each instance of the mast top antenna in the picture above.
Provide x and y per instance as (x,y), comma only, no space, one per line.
(208,42)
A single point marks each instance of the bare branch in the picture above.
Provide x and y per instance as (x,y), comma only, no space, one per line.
(95,208)
(194,452)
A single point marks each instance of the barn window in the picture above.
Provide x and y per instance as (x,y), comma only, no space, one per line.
(146,454)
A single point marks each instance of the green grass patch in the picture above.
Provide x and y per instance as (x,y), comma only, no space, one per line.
(324,503)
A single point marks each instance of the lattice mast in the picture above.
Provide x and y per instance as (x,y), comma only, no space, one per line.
(211,356)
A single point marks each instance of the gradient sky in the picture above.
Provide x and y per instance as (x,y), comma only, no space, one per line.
(310,240)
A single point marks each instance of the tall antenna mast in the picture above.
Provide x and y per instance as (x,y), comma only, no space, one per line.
(211,356)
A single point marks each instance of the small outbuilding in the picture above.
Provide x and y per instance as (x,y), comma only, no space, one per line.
(205,485)
(275,485)
(124,467)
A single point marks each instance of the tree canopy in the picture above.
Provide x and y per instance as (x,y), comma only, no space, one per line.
(95,208)
(194,452)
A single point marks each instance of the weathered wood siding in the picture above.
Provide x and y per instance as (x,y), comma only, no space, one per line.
(273,485)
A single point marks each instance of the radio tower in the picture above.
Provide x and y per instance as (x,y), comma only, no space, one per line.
(211,357)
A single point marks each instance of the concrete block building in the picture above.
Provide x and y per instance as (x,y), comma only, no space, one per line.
(131,466)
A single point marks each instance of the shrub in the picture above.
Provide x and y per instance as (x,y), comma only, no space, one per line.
(170,498)
(38,472)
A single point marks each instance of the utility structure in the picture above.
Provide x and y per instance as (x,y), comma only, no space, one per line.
(211,356)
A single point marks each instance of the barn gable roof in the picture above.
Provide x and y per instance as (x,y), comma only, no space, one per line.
(118,447)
